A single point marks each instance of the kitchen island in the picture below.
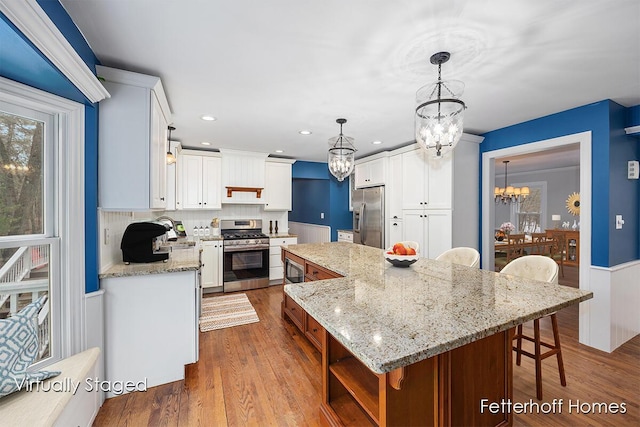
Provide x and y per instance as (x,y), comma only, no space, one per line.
(415,346)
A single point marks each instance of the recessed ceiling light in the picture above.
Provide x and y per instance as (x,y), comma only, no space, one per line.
(279,151)
(305,132)
(376,142)
(205,143)
(207,117)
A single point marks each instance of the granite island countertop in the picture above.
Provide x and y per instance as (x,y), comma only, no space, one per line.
(392,317)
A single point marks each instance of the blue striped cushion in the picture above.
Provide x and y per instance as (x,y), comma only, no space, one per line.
(19,348)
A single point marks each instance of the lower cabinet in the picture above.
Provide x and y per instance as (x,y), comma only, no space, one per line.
(276,269)
(212,264)
(345,236)
(307,324)
(395,232)
(430,228)
(151,327)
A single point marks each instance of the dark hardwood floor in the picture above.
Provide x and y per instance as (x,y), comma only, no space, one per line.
(267,374)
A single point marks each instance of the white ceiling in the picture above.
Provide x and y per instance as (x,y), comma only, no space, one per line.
(267,69)
(555,158)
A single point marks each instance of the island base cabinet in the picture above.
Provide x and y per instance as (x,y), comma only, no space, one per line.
(444,390)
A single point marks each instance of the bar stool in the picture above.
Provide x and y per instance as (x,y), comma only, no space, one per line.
(462,255)
(545,269)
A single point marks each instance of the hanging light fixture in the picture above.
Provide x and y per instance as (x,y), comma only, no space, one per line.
(440,112)
(341,158)
(509,194)
(171,159)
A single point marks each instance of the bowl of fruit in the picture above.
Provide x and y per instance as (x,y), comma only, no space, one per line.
(402,254)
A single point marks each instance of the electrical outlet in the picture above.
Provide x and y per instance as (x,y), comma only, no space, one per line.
(321,215)
(106,236)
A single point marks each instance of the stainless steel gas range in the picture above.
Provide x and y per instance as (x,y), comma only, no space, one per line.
(246,255)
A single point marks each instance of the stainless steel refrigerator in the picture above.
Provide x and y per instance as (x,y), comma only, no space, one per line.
(368,216)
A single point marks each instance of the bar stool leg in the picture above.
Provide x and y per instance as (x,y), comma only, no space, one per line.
(519,345)
(556,343)
(538,360)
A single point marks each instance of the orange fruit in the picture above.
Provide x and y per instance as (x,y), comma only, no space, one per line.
(411,251)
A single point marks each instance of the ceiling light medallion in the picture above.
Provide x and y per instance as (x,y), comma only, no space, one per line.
(440,112)
(509,194)
(341,158)
(171,159)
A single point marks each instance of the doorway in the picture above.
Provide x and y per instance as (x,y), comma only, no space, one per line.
(583,139)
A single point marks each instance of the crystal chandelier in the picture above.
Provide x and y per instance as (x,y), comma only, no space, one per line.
(341,154)
(509,194)
(439,114)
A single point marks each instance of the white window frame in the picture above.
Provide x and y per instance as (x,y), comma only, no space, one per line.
(515,207)
(68,183)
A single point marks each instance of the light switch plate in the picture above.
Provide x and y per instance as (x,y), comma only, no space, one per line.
(633,169)
(619,222)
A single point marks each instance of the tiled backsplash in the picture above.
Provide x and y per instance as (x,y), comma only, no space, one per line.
(113,224)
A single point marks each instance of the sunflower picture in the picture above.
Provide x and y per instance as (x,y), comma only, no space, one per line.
(573,204)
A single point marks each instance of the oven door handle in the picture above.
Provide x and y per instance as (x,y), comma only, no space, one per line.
(244,248)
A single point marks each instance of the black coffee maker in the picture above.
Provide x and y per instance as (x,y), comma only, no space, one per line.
(138,241)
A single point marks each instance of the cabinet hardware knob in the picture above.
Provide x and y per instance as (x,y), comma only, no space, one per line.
(162,198)
(293,309)
(395,223)
(199,203)
(315,329)
(395,216)
(315,272)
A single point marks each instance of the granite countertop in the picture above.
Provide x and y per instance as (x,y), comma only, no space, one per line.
(179,260)
(281,235)
(392,317)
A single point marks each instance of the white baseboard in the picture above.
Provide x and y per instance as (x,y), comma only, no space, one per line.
(94,329)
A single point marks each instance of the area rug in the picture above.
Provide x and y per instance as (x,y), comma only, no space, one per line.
(226,311)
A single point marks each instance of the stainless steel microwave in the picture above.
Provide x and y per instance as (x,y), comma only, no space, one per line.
(293,271)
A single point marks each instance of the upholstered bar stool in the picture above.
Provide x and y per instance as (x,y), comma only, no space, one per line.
(462,255)
(545,269)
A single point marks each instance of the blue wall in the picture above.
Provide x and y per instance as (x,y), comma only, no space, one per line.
(315,190)
(606,121)
(22,62)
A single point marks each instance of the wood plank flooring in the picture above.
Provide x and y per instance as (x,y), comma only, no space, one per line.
(267,374)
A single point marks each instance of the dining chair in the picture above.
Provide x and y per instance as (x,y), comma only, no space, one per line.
(539,244)
(544,269)
(461,255)
(513,248)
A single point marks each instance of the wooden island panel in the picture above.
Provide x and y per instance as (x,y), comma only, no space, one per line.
(443,390)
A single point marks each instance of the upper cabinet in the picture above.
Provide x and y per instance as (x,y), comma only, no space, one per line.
(277,190)
(199,183)
(132,141)
(243,176)
(426,182)
(370,173)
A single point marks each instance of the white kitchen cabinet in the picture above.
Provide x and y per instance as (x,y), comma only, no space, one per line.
(212,264)
(427,183)
(277,189)
(276,269)
(395,227)
(430,228)
(243,176)
(394,190)
(151,327)
(172,179)
(345,236)
(132,142)
(199,181)
(370,173)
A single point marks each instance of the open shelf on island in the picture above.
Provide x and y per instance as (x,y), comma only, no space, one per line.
(360,382)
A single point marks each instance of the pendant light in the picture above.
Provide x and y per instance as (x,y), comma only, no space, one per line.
(440,112)
(509,194)
(171,159)
(341,158)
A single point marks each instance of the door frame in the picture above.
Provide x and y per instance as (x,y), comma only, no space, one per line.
(488,206)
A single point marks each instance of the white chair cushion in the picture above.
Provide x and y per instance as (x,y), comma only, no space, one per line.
(464,256)
(535,267)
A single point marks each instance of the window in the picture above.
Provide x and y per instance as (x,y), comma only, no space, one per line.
(529,215)
(42,214)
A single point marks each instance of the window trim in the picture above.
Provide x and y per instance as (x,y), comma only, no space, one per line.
(69,183)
